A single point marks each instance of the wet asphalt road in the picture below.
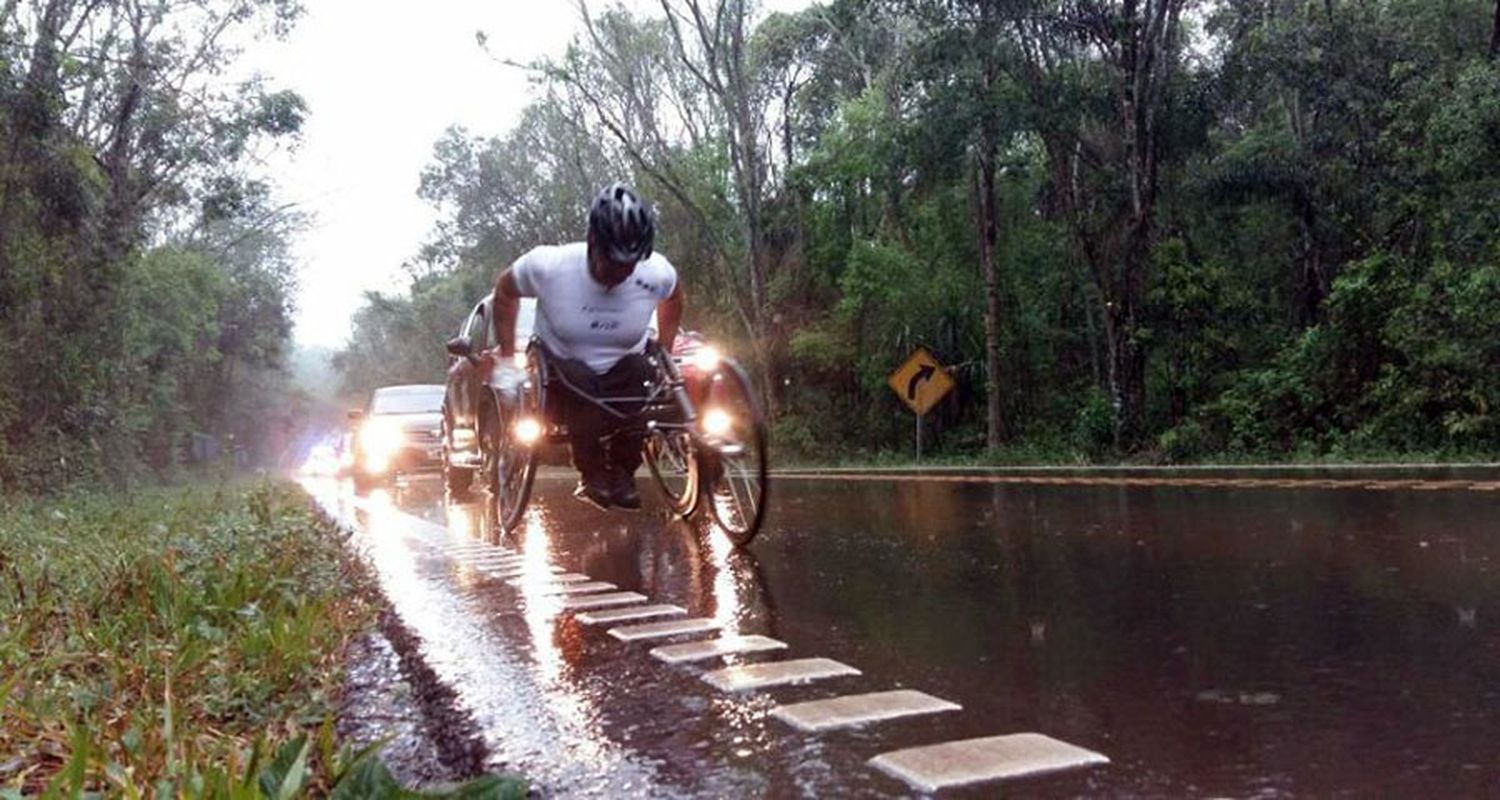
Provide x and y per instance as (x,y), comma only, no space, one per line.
(1264,638)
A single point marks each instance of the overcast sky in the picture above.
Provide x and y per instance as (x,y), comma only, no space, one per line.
(383,80)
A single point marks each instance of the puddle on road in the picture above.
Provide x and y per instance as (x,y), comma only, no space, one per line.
(1209,640)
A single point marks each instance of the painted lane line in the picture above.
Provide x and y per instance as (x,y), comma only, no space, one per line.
(576,588)
(970,761)
(776,673)
(656,630)
(561,577)
(697,651)
(600,600)
(1241,483)
(858,709)
(623,614)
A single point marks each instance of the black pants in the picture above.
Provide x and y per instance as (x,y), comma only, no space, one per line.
(588,423)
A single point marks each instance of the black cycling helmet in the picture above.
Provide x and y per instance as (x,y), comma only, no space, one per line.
(622,224)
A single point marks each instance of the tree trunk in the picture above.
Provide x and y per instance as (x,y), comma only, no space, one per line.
(1312,285)
(989,225)
(1095,364)
(1127,375)
(988,233)
(1495,33)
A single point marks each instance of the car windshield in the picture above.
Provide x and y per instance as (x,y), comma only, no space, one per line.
(408,400)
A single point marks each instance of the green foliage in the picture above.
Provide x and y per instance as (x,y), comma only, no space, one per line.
(1094,426)
(144,280)
(369,778)
(168,631)
(1304,274)
(183,641)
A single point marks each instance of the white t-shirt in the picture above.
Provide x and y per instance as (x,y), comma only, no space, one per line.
(578,317)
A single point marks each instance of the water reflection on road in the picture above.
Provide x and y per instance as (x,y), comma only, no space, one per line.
(1210,640)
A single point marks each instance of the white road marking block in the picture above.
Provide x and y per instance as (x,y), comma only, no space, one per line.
(476,547)
(697,651)
(857,709)
(495,561)
(577,588)
(970,761)
(776,673)
(491,566)
(623,614)
(462,543)
(601,600)
(481,555)
(562,577)
(654,630)
(516,572)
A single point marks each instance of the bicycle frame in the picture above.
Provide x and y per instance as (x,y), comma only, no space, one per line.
(656,412)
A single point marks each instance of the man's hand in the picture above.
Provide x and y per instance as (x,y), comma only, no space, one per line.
(669,316)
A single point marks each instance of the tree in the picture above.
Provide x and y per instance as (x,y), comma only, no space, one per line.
(967,40)
(117,130)
(1495,34)
(1099,74)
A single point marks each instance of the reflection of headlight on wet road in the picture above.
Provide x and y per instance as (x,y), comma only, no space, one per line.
(381,440)
(528,431)
(706,359)
(717,422)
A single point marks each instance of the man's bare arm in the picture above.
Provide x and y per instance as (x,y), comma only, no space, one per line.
(507,304)
(669,315)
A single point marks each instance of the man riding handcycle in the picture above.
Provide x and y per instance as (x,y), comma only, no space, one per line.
(598,379)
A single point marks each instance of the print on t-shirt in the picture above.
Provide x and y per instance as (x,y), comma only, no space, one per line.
(578,317)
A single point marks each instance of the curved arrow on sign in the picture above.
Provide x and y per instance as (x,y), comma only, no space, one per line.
(924,373)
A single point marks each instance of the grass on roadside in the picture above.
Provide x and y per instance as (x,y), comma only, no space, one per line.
(178,643)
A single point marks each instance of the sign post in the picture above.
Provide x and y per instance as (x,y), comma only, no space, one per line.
(920,382)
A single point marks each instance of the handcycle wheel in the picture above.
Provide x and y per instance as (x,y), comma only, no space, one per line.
(732,453)
(669,455)
(511,465)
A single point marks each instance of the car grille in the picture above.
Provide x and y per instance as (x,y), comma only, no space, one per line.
(421,437)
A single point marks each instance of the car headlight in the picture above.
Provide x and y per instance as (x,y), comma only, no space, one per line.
(380,439)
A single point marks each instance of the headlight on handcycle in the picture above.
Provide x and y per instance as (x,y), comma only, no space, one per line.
(706,359)
(528,431)
(717,422)
(519,359)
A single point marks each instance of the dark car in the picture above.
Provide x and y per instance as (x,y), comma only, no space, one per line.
(472,382)
(400,432)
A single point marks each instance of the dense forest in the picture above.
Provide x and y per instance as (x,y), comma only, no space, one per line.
(1163,229)
(145,279)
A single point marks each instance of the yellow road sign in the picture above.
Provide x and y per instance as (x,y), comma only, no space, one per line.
(921,382)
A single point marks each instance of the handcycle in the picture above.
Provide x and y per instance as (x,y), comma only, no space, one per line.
(704,437)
